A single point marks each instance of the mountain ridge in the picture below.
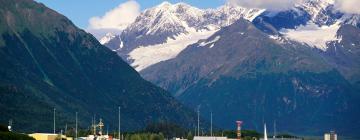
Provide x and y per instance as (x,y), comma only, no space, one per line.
(189,21)
(299,65)
(241,66)
(47,62)
(159,25)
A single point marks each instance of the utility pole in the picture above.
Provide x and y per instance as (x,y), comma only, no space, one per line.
(195,131)
(65,129)
(274,137)
(76,125)
(92,123)
(198,127)
(211,129)
(54,120)
(119,123)
(94,126)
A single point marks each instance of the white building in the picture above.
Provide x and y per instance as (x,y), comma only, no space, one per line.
(48,136)
(179,139)
(209,138)
(330,136)
(282,139)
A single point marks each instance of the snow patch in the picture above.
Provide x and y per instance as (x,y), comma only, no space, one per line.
(251,16)
(278,39)
(121,44)
(274,37)
(107,38)
(313,35)
(145,56)
(212,42)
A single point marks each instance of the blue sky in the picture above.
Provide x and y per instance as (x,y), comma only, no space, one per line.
(80,11)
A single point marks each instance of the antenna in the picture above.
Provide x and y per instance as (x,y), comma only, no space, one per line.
(101,125)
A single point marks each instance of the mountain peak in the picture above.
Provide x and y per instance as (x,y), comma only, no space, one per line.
(164,4)
(173,8)
(180,21)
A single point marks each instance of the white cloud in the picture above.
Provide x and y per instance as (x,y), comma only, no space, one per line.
(348,6)
(117,19)
(276,5)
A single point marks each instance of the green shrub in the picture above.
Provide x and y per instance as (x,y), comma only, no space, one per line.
(14,136)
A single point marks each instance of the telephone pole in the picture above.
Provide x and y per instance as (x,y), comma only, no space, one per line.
(65,129)
(54,120)
(274,137)
(211,129)
(119,123)
(198,125)
(76,125)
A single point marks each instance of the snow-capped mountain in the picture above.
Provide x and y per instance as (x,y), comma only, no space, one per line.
(162,32)
(304,61)
(314,22)
(353,19)
(245,72)
(320,11)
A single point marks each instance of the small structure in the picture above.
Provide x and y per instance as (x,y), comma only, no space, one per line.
(178,139)
(43,136)
(330,136)
(48,136)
